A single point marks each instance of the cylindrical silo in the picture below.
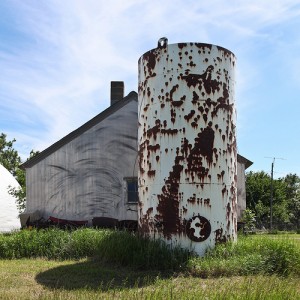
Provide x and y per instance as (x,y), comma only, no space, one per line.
(187,145)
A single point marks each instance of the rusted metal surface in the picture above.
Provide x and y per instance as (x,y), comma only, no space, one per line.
(187,144)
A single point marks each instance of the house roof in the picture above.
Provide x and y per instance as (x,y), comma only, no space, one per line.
(68,138)
(243,160)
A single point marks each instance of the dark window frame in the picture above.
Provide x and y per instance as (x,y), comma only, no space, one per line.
(132,190)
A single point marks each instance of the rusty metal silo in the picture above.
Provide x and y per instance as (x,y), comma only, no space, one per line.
(187,145)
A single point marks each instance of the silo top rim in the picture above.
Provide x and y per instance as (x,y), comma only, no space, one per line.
(163,43)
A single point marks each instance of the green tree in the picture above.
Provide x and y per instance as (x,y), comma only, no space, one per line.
(248,218)
(9,157)
(294,210)
(258,195)
(286,198)
(292,182)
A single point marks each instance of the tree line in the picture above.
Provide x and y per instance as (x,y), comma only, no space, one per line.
(286,200)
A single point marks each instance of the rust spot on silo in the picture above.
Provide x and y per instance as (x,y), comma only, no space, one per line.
(190,115)
(192,200)
(151,173)
(149,211)
(226,51)
(179,102)
(182,45)
(168,206)
(206,202)
(195,98)
(204,144)
(224,190)
(187,71)
(219,236)
(228,210)
(173,115)
(169,131)
(194,125)
(203,81)
(173,90)
(202,46)
(154,130)
(153,147)
(150,58)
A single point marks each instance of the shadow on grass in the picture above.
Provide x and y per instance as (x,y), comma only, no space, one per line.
(95,275)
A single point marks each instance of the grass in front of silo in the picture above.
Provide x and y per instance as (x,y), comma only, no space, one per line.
(91,263)
(118,247)
(261,254)
(251,255)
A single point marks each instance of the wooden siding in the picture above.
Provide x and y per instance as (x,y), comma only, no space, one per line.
(85,177)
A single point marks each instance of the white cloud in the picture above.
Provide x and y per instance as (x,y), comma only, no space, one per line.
(55,76)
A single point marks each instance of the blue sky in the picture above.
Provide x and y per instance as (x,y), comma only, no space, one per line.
(57,59)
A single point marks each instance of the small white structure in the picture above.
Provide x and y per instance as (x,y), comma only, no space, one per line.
(8,210)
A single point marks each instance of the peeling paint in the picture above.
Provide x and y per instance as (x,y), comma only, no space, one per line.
(187,144)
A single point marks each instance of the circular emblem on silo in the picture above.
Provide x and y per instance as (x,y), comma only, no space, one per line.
(198,229)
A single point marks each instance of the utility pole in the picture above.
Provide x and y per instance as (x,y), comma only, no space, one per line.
(271,198)
(272,188)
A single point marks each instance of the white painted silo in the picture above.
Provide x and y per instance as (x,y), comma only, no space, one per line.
(8,210)
(187,144)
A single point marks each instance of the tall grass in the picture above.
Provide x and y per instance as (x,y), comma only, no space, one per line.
(50,243)
(121,248)
(129,250)
(250,255)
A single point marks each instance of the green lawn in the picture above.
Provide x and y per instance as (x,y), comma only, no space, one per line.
(257,267)
(87,279)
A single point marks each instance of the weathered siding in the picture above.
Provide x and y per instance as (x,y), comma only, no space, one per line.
(241,190)
(85,178)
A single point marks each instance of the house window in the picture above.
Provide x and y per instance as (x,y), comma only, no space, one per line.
(132,190)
